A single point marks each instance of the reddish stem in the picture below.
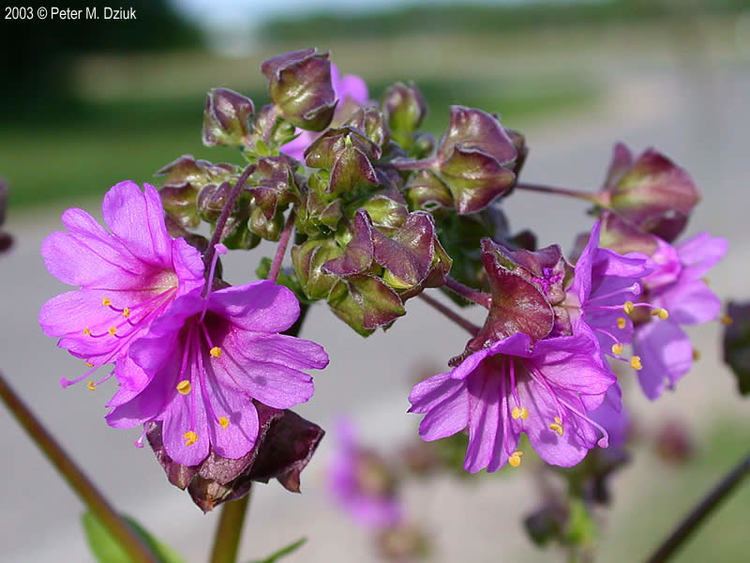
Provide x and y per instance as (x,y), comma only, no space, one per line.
(478,297)
(578,194)
(278,258)
(467,325)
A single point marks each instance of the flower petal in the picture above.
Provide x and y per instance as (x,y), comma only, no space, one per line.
(186,414)
(691,303)
(446,403)
(700,253)
(666,355)
(290,351)
(261,306)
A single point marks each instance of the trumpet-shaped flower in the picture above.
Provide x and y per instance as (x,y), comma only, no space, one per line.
(203,363)
(546,390)
(676,286)
(127,276)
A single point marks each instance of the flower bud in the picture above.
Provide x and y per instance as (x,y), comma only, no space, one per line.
(262,226)
(387,210)
(211,201)
(300,86)
(308,260)
(286,442)
(226,118)
(405,109)
(651,192)
(737,343)
(427,192)
(371,123)
(476,158)
(365,303)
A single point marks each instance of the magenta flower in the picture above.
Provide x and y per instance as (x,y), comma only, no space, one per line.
(603,283)
(127,275)
(675,286)
(361,483)
(349,88)
(545,390)
(203,363)
(613,417)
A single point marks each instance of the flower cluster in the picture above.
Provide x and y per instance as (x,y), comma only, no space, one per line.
(190,354)
(377,212)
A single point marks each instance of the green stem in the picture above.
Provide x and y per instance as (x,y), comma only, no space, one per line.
(229,530)
(131,543)
(701,511)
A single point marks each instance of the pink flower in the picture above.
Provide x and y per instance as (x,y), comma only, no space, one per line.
(361,483)
(128,276)
(349,88)
(544,389)
(676,286)
(203,363)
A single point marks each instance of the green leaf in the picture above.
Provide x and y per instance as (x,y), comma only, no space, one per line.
(283,552)
(106,549)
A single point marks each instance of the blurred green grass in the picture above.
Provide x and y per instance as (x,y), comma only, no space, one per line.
(79,150)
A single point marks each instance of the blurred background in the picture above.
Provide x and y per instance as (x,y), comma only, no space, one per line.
(86,104)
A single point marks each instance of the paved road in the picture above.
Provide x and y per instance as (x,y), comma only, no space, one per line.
(701,120)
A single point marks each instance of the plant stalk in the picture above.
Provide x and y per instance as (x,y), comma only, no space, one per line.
(467,325)
(577,194)
(278,258)
(229,530)
(84,488)
(468,293)
(701,512)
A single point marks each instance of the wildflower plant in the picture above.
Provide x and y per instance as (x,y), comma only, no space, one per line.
(374,212)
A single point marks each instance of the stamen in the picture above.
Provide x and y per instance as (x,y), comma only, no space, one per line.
(91,386)
(557,426)
(112,330)
(126,312)
(106,302)
(87,331)
(184,387)
(190,437)
(514,460)
(223,421)
(215,352)
(628,307)
(622,323)
(617,348)
(635,363)
(634,289)
(726,320)
(696,354)
(660,312)
(88,364)
(519,412)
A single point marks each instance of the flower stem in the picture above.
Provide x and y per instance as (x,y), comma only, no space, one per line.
(229,530)
(131,543)
(478,297)
(467,325)
(406,164)
(286,234)
(578,194)
(701,511)
(225,213)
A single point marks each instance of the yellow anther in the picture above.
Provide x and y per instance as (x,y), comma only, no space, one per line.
(112,330)
(628,307)
(190,437)
(91,386)
(635,363)
(215,352)
(617,349)
(514,460)
(184,387)
(126,312)
(87,331)
(726,320)
(89,364)
(696,354)
(223,421)
(621,323)
(519,412)
(557,426)
(106,302)
(662,313)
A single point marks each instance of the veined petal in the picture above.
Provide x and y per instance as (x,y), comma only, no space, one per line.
(289,351)
(188,266)
(137,219)
(666,355)
(261,306)
(485,422)
(235,434)
(445,402)
(691,302)
(185,431)
(700,253)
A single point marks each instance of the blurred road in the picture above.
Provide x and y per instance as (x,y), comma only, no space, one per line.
(698,116)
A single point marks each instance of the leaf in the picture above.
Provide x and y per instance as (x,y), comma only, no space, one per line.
(283,552)
(107,549)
